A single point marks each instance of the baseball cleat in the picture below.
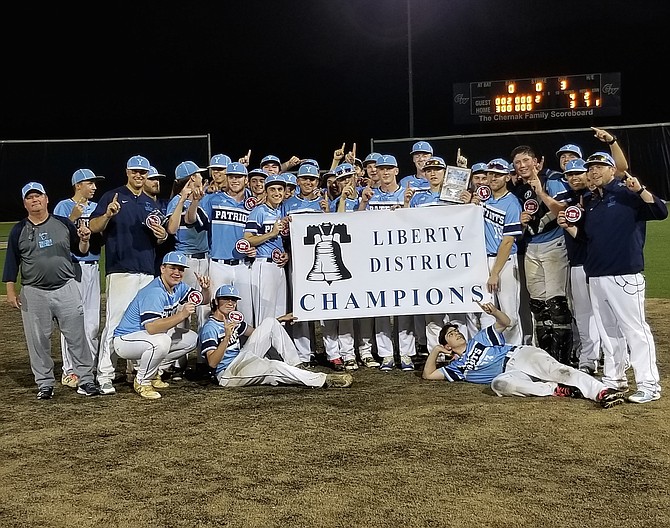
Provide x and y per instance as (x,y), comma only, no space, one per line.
(107,388)
(370,362)
(158,383)
(69,380)
(88,389)
(609,397)
(387,363)
(566,391)
(45,393)
(146,390)
(350,364)
(338,381)
(406,363)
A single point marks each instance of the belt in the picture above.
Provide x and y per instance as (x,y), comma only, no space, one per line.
(89,262)
(197,255)
(507,357)
(491,254)
(233,262)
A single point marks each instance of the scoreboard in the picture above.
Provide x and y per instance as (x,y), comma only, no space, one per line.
(538,98)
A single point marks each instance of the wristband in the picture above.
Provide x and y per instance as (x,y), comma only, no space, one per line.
(613,140)
(642,189)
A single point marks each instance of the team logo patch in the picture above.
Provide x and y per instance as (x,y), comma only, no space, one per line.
(276,255)
(235,316)
(250,203)
(573,214)
(153,220)
(195,297)
(483,192)
(531,206)
(242,245)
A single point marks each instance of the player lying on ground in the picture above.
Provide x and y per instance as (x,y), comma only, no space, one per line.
(512,370)
(235,367)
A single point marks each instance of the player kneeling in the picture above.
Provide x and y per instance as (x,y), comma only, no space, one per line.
(511,370)
(237,367)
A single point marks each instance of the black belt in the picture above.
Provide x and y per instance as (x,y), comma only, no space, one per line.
(233,262)
(88,262)
(197,255)
(491,254)
(507,357)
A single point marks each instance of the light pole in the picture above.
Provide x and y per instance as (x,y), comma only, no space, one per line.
(409,70)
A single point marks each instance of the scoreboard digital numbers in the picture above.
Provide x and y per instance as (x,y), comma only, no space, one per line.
(538,98)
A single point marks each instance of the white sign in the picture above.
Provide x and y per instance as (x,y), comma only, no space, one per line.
(375,263)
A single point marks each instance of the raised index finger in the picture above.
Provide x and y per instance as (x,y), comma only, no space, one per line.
(116,197)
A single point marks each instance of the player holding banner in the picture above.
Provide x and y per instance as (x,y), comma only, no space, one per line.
(151,330)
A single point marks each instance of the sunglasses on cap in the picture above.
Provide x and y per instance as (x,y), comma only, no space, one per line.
(497,166)
(599,158)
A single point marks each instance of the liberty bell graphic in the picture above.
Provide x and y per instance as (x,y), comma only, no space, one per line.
(328,264)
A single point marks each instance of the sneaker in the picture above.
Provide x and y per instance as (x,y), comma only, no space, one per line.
(45,393)
(88,389)
(338,381)
(566,391)
(643,396)
(370,362)
(177,375)
(107,388)
(336,364)
(387,363)
(406,363)
(146,390)
(350,364)
(70,380)
(158,383)
(609,397)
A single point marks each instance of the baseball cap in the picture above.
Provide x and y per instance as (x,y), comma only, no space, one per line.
(227,291)
(186,169)
(219,161)
(434,163)
(138,163)
(273,179)
(498,166)
(153,173)
(599,158)
(371,158)
(344,170)
(310,161)
(270,159)
(308,171)
(236,168)
(289,178)
(575,165)
(30,187)
(176,258)
(422,146)
(257,172)
(478,167)
(386,160)
(574,149)
(81,175)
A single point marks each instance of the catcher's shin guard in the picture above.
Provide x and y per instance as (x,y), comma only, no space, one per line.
(562,338)
(543,325)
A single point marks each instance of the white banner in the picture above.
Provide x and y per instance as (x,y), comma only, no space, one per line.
(377,263)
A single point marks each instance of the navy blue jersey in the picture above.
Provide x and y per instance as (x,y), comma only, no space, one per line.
(130,246)
(615,228)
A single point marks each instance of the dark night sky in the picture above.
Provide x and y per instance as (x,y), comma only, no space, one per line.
(302,77)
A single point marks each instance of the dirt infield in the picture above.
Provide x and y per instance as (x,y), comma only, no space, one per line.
(392,450)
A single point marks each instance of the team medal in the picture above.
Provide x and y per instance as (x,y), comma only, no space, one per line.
(531,206)
(573,214)
(242,246)
(250,203)
(285,230)
(153,220)
(276,255)
(235,316)
(483,192)
(195,297)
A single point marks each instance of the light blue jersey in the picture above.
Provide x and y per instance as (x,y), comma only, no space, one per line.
(483,359)
(152,302)
(65,208)
(414,181)
(225,218)
(260,222)
(386,200)
(190,239)
(212,333)
(349,204)
(502,217)
(297,205)
(426,198)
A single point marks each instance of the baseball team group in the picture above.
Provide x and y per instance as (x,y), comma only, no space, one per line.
(200,284)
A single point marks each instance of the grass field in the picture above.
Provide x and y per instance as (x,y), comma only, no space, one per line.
(657,270)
